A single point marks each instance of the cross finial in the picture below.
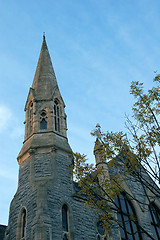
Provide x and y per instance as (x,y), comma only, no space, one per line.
(43,35)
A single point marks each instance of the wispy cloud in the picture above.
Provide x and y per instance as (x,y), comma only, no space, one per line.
(9,121)
(5,116)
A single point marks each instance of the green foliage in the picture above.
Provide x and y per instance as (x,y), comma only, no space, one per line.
(119,157)
(146,130)
(94,194)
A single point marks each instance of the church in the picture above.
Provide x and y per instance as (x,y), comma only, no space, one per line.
(47,205)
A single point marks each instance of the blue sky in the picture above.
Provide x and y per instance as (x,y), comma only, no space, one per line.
(97,48)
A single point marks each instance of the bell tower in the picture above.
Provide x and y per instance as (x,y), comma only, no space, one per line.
(45,114)
(45,181)
(44,107)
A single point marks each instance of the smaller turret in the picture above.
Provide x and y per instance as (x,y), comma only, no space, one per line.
(101,163)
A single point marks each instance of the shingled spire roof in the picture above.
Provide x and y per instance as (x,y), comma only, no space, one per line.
(44,80)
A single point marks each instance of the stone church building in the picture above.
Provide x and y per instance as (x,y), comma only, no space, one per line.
(47,205)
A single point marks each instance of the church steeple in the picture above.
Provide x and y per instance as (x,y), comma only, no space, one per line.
(45,114)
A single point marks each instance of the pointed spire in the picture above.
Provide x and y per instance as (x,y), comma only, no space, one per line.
(44,80)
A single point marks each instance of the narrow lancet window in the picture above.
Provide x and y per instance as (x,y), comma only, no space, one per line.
(30,117)
(127,219)
(154,214)
(65,222)
(65,218)
(56,116)
(22,225)
(43,120)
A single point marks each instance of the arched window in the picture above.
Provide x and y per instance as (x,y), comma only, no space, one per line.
(65,237)
(22,224)
(127,220)
(56,116)
(24,218)
(100,231)
(154,214)
(65,218)
(43,120)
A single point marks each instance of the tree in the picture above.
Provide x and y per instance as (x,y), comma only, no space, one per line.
(130,157)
